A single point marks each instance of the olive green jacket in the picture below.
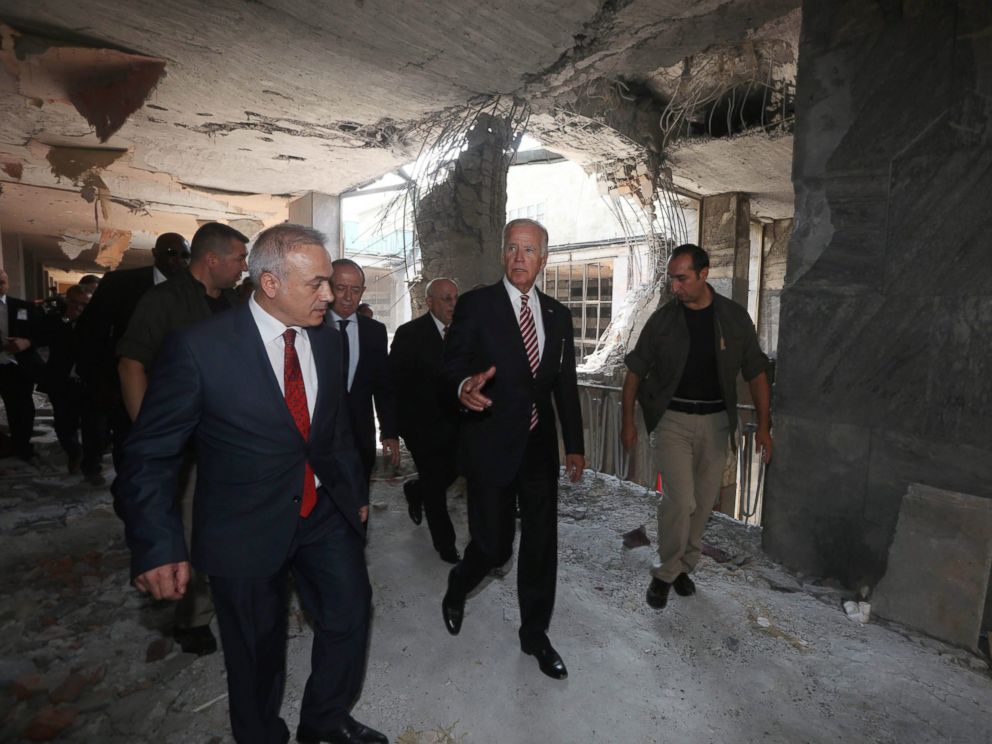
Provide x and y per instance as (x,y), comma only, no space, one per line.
(661,351)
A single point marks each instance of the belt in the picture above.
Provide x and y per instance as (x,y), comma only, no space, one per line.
(697,407)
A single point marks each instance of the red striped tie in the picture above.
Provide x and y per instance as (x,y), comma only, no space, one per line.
(296,401)
(529,332)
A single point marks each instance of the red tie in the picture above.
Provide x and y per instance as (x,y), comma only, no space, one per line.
(296,401)
(529,332)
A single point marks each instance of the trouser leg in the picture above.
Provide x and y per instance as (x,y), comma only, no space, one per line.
(672,451)
(710,444)
(65,420)
(333,584)
(251,614)
(196,608)
(537,567)
(93,427)
(491,524)
(16,390)
(435,473)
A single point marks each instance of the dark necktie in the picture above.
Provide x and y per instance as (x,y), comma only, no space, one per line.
(529,331)
(345,351)
(296,401)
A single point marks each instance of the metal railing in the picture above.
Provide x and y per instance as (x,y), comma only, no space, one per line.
(601,414)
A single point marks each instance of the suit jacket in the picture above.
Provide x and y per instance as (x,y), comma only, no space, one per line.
(104,321)
(214,383)
(485,333)
(426,417)
(372,384)
(24,320)
(60,337)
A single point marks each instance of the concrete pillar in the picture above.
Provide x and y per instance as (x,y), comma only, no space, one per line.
(460,220)
(884,373)
(725,233)
(774,248)
(321,212)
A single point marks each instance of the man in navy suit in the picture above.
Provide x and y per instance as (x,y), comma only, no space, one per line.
(366,359)
(427,418)
(508,353)
(280,489)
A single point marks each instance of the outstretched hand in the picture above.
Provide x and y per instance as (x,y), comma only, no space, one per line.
(471,394)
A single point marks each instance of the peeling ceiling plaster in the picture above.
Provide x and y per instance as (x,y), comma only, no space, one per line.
(265,100)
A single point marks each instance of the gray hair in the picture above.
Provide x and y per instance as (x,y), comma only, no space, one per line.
(524,221)
(272,245)
(430,284)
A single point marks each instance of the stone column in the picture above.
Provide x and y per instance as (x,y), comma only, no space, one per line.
(775,246)
(725,233)
(885,343)
(321,212)
(459,221)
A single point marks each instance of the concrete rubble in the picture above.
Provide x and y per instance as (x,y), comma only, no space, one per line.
(757,654)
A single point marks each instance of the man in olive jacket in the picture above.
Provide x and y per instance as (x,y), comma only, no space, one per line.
(683,371)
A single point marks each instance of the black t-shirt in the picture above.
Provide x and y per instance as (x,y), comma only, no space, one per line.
(217,304)
(700,379)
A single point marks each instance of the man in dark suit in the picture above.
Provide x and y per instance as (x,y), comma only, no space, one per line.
(366,352)
(103,323)
(71,406)
(20,366)
(280,489)
(426,417)
(509,351)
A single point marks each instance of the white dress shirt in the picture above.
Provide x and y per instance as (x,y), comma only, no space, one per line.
(271,331)
(352,330)
(438,324)
(535,308)
(157,276)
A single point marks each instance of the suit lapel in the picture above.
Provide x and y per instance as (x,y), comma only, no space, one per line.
(324,364)
(548,317)
(249,342)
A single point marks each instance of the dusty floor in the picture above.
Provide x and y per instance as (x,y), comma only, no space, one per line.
(754,656)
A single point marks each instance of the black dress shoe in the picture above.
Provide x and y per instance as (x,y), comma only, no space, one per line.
(549,661)
(453,607)
(684,586)
(364,733)
(450,555)
(348,731)
(658,593)
(198,640)
(414,505)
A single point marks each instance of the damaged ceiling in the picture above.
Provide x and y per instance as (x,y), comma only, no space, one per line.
(135,119)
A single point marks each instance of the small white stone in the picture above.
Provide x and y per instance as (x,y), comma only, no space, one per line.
(851,608)
(763,622)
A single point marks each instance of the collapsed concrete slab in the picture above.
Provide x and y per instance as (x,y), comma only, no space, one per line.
(939,563)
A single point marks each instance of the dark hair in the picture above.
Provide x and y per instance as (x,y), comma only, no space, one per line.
(215,238)
(350,264)
(700,258)
(90,279)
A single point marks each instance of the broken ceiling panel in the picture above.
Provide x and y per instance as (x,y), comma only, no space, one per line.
(105,86)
